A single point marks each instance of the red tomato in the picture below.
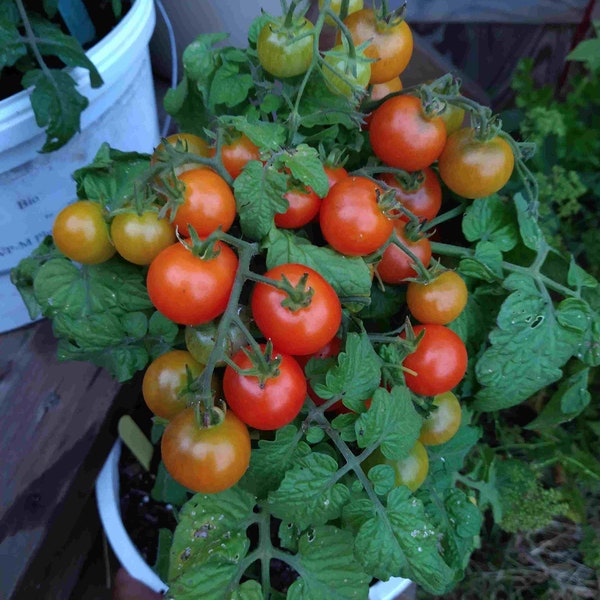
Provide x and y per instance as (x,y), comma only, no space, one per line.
(440,361)
(268,405)
(335,174)
(206,460)
(303,208)
(190,290)
(403,137)
(300,331)
(424,202)
(351,220)
(395,265)
(237,154)
(208,203)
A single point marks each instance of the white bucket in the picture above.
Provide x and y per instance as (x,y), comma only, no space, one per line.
(108,499)
(34,186)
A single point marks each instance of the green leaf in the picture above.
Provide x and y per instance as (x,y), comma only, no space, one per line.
(570,399)
(345,425)
(383,479)
(384,303)
(530,231)
(587,51)
(306,166)
(307,496)
(270,461)
(200,60)
(263,134)
(578,277)
(528,347)
(161,566)
(135,439)
(356,375)
(249,590)
(492,220)
(314,435)
(259,196)
(161,327)
(391,422)
(209,542)
(12,46)
(135,324)
(229,86)
(166,489)
(328,567)
(186,105)
(349,276)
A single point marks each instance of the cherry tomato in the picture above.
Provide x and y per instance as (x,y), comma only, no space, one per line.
(403,137)
(351,220)
(335,174)
(438,301)
(303,208)
(265,405)
(380,90)
(208,203)
(391,44)
(285,51)
(336,5)
(81,233)
(237,153)
(410,471)
(140,238)
(345,72)
(453,117)
(439,362)
(425,201)
(165,378)
(206,460)
(300,331)
(395,265)
(190,290)
(187,142)
(475,169)
(443,422)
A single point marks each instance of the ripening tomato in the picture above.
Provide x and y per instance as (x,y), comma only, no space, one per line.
(190,290)
(410,471)
(350,217)
(402,136)
(474,168)
(186,142)
(285,51)
(438,363)
(380,90)
(344,73)
(265,405)
(453,117)
(391,44)
(396,265)
(237,153)
(140,238)
(425,201)
(206,460)
(443,421)
(81,233)
(334,174)
(302,329)
(208,203)
(303,208)
(438,301)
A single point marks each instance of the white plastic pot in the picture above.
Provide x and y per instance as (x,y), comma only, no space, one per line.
(36,186)
(107,496)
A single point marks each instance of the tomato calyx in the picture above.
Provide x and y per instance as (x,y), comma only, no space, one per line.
(387,202)
(408,181)
(297,296)
(386,18)
(265,363)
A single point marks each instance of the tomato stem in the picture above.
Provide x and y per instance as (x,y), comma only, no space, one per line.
(418,265)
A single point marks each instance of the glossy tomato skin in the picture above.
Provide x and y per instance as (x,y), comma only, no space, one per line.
(237,153)
(165,378)
(206,460)
(475,169)
(81,233)
(208,203)
(187,142)
(357,72)
(302,331)
(442,423)
(191,290)
(395,265)
(303,208)
(380,90)
(334,174)
(390,44)
(280,54)
(403,137)
(350,218)
(438,301)
(410,471)
(140,238)
(269,406)
(424,202)
(440,361)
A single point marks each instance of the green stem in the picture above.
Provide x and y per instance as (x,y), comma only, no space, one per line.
(418,264)
(31,40)
(447,216)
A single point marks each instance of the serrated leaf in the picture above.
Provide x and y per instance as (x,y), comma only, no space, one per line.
(314,435)
(200,60)
(328,567)
(135,324)
(229,86)
(263,134)
(306,166)
(345,425)
(259,196)
(530,231)
(391,422)
(383,478)
(578,277)
(339,109)
(493,220)
(349,276)
(307,495)
(12,46)
(161,327)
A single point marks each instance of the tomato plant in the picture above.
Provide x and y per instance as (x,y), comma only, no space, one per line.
(188,289)
(206,460)
(438,301)
(343,72)
(402,136)
(443,421)
(475,168)
(237,153)
(81,233)
(299,321)
(351,219)
(208,203)
(439,362)
(186,142)
(334,174)
(336,5)
(303,208)
(378,91)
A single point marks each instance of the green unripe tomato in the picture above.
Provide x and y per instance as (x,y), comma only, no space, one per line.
(346,72)
(336,7)
(443,422)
